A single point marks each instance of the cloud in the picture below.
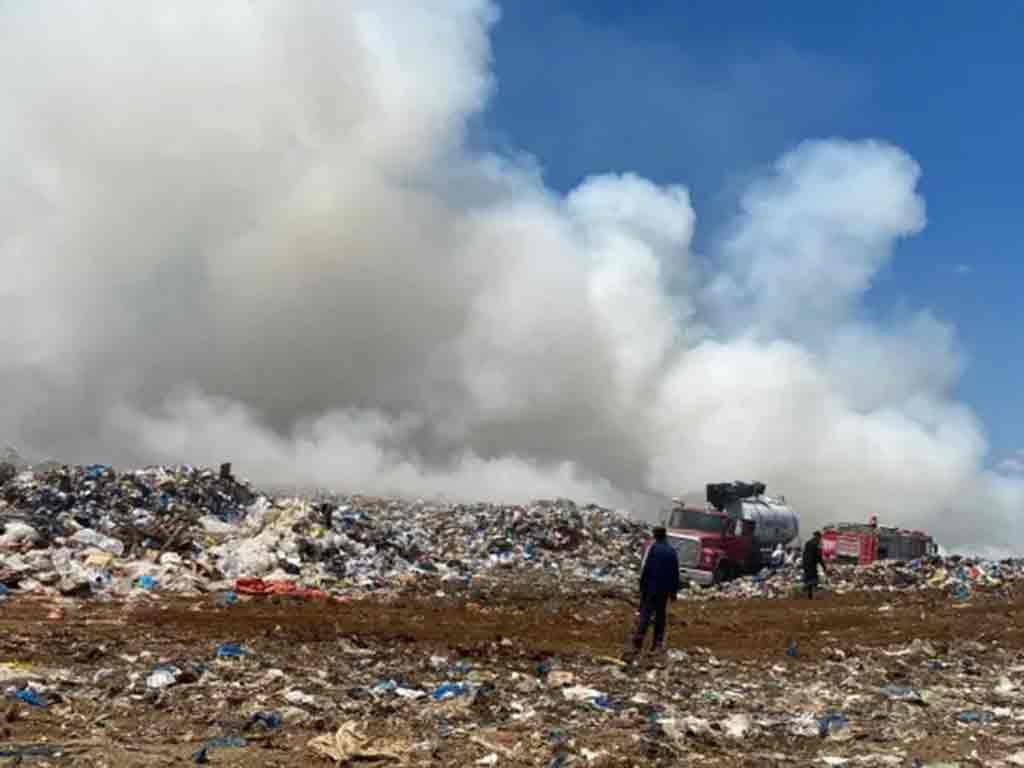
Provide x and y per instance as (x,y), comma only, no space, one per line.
(812,235)
(963,270)
(259,233)
(1012,465)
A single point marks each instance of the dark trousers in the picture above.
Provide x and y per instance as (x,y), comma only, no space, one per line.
(651,607)
(810,584)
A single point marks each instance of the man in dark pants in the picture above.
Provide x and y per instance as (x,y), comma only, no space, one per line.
(811,560)
(659,581)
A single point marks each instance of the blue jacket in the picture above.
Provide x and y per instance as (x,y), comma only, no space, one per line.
(659,574)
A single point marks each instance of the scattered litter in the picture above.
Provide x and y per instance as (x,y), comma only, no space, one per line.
(901,693)
(223,742)
(96,550)
(348,744)
(229,651)
(832,723)
(30,697)
(976,716)
(448,691)
(162,677)
(298,697)
(268,720)
(147,582)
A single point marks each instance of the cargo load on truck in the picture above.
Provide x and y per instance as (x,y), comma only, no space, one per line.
(774,521)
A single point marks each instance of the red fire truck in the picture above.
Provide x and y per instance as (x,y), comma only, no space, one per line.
(862,544)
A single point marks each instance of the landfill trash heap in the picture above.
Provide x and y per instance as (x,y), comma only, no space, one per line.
(94,531)
(148,618)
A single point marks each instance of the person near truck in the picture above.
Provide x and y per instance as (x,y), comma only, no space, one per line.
(659,583)
(811,560)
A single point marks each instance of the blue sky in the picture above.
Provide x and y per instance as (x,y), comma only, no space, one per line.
(706,94)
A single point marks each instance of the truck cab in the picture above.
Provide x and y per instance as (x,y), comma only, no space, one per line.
(712,547)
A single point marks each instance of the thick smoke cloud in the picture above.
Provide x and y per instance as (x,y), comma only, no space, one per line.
(254,231)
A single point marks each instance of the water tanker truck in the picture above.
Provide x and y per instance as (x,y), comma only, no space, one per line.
(732,534)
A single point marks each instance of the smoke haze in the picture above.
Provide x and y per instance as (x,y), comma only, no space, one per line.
(254,231)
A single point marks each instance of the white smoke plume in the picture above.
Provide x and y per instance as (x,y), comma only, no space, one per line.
(254,231)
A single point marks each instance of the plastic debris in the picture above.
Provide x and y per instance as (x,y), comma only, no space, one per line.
(349,744)
(162,677)
(299,697)
(27,751)
(17,534)
(147,582)
(902,693)
(737,725)
(201,757)
(430,641)
(832,723)
(30,697)
(976,716)
(229,651)
(268,720)
(449,691)
(200,525)
(581,693)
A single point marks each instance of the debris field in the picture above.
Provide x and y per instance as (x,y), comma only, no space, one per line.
(394,633)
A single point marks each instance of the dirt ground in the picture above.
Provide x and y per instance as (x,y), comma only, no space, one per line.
(88,653)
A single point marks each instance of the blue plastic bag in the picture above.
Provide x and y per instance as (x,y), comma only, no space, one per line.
(229,651)
(831,722)
(30,697)
(976,716)
(448,691)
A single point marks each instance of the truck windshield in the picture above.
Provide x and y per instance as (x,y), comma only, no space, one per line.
(695,520)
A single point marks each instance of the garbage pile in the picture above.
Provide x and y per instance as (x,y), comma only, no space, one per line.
(958,577)
(463,634)
(93,530)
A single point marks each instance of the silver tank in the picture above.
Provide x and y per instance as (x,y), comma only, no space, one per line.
(775,522)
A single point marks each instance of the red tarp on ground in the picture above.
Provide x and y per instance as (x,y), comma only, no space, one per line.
(286,588)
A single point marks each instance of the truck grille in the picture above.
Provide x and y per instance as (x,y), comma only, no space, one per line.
(688,550)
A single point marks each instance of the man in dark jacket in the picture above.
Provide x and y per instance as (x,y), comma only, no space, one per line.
(811,560)
(659,581)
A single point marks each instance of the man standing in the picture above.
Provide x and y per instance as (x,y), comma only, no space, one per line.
(811,560)
(659,581)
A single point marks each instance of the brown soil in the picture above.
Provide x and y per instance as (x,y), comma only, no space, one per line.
(301,638)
